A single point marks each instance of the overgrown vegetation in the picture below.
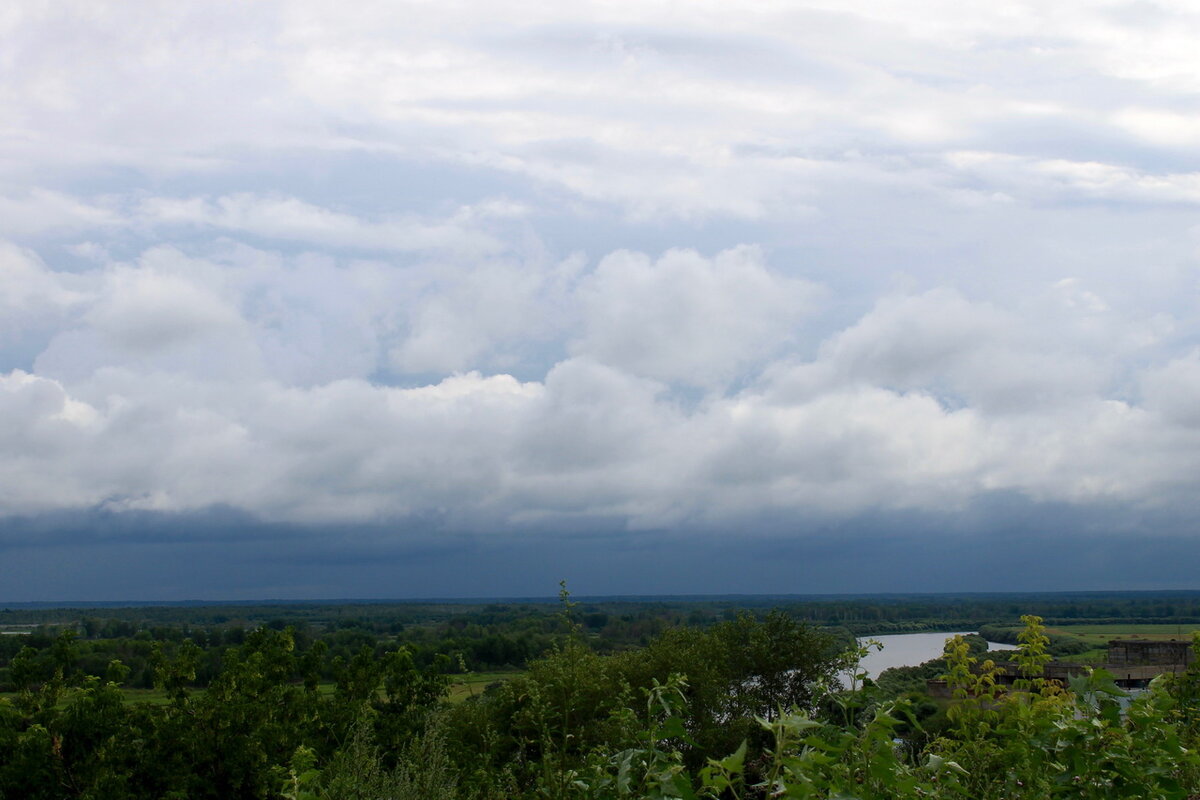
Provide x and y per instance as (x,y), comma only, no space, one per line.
(752,706)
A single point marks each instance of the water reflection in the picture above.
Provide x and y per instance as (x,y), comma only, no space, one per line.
(912,649)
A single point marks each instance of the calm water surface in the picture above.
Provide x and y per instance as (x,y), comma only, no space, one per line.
(911,649)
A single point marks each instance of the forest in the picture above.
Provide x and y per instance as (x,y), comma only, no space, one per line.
(683,698)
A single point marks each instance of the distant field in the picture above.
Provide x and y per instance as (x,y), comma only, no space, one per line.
(154,697)
(1099,635)
(475,684)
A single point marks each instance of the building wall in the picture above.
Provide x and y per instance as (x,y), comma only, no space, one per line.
(1137,652)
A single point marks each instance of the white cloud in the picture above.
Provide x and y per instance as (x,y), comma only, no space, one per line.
(855,430)
(1063,179)
(1161,126)
(41,211)
(485,312)
(632,104)
(278,217)
(1171,390)
(478,264)
(30,294)
(146,310)
(969,353)
(689,319)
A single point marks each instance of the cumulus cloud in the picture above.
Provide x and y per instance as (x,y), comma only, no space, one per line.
(685,318)
(1171,390)
(928,402)
(486,312)
(967,352)
(143,310)
(598,266)
(30,293)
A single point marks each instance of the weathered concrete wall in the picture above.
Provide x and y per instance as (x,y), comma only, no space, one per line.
(1140,652)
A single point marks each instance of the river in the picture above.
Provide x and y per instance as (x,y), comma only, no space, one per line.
(911,649)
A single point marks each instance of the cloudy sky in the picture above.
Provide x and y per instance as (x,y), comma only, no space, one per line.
(459,299)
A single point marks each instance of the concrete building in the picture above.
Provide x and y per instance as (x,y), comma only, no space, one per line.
(1132,662)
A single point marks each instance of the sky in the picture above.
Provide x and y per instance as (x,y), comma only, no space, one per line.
(461,299)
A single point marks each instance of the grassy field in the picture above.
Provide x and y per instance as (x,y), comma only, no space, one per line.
(1097,637)
(475,683)
(154,697)
(1100,635)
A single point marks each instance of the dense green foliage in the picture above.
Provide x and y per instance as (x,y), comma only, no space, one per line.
(263,721)
(751,706)
(488,636)
(1058,645)
(485,638)
(70,735)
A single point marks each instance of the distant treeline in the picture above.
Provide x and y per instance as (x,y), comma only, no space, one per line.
(880,612)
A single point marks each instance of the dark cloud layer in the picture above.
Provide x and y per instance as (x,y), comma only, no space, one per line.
(221,555)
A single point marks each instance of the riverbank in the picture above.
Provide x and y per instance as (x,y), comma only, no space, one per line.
(911,649)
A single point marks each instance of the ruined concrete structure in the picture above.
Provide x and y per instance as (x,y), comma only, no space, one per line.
(1133,663)
(1145,652)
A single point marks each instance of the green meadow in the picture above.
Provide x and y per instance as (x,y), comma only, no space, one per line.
(1102,634)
